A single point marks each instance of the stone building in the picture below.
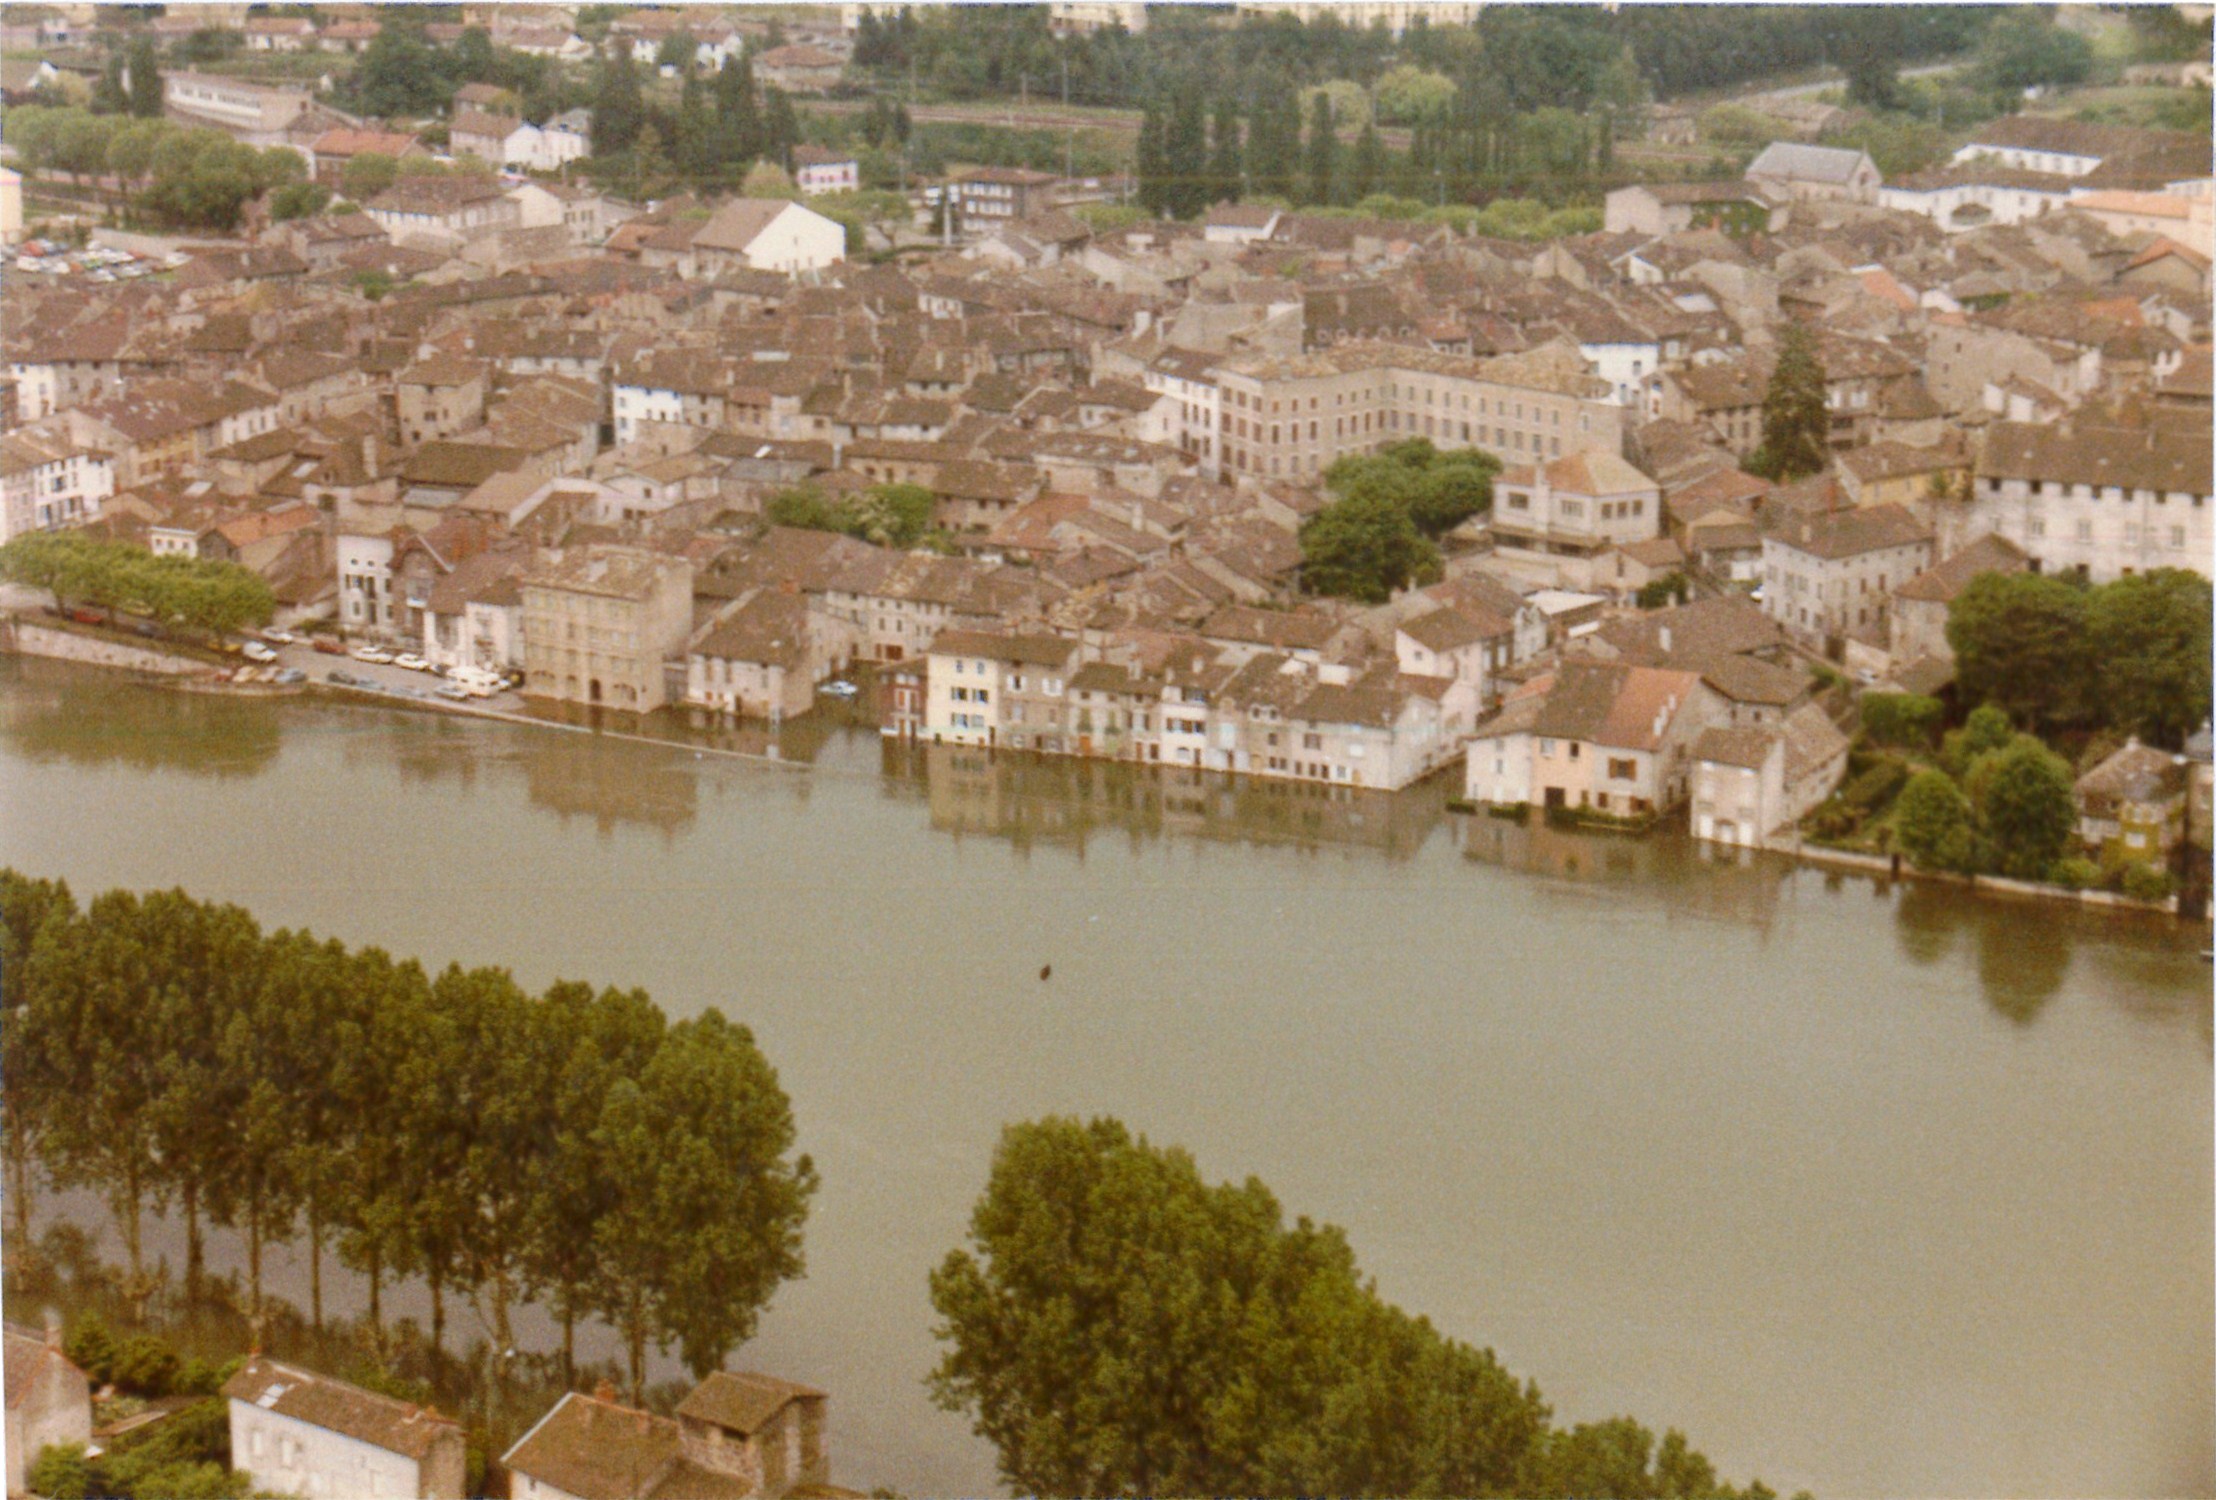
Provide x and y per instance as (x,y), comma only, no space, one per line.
(735,1437)
(49,1400)
(599,621)
(1831,573)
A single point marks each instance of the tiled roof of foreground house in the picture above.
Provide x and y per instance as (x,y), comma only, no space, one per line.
(1608,703)
(397,1426)
(2136,773)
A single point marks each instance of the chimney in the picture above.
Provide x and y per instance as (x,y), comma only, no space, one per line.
(605,1391)
(54,1329)
(1665,639)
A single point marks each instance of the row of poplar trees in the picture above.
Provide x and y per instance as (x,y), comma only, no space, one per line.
(1190,157)
(573,1147)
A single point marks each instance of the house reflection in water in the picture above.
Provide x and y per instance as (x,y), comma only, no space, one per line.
(1688,877)
(611,782)
(1067,801)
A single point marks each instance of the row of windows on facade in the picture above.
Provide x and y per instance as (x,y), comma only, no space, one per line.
(2067,491)
(1610,510)
(1618,769)
(1244,400)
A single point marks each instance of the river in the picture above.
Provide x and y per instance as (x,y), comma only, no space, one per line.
(1879,1191)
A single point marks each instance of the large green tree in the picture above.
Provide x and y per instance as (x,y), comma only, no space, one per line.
(145,79)
(102,1130)
(2019,644)
(2149,633)
(1366,548)
(1116,1325)
(592,1041)
(1931,823)
(2024,806)
(1796,423)
(33,1060)
(706,1201)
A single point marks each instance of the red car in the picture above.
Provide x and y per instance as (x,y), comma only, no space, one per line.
(330,645)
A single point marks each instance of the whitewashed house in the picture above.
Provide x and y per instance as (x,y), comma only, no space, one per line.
(766,234)
(817,169)
(49,480)
(1749,781)
(299,1433)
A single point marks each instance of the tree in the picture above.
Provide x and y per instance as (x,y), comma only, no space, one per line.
(1905,719)
(2019,643)
(1365,548)
(367,175)
(1321,162)
(1368,173)
(619,114)
(197,970)
(703,1216)
(1409,95)
(308,1011)
(593,1041)
(2150,634)
(1185,148)
(1670,589)
(1931,822)
(29,1060)
(1153,164)
(298,200)
(679,50)
(1226,153)
(2025,49)
(145,79)
(1117,1326)
(400,73)
(765,179)
(1986,729)
(375,1031)
(1796,423)
(102,1130)
(2025,808)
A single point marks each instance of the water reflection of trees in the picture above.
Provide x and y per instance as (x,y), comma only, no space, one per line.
(1067,801)
(2029,951)
(1686,877)
(93,717)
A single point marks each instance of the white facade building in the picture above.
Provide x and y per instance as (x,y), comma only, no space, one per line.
(298,1433)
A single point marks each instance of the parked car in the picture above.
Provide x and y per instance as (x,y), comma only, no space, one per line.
(339,679)
(374,655)
(453,690)
(411,662)
(257,652)
(291,675)
(85,616)
(839,688)
(330,645)
(280,637)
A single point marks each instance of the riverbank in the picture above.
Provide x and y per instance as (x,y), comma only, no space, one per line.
(1793,847)
(28,637)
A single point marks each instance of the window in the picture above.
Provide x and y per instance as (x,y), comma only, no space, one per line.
(1311,742)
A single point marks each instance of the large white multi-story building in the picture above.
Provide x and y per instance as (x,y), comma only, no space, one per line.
(48,480)
(2101,502)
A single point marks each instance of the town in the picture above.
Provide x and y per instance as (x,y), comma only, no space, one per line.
(1674,442)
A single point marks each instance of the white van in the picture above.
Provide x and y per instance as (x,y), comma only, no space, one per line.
(476,681)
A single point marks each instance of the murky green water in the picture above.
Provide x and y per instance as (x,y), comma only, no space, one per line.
(1878,1192)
